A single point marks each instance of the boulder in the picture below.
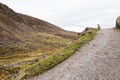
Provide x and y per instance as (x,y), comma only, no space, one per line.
(118,22)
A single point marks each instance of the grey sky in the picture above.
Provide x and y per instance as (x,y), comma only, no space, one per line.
(72,15)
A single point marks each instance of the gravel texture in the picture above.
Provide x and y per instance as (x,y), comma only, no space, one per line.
(97,60)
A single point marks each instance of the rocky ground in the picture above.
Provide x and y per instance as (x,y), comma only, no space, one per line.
(97,60)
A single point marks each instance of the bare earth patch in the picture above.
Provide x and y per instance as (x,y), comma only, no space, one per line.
(98,60)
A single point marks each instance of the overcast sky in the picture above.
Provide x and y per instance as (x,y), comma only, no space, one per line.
(72,15)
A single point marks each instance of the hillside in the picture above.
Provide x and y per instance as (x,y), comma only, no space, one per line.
(25,40)
(17,29)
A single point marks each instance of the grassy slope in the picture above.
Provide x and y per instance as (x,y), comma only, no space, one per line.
(46,44)
(56,58)
(54,50)
(25,40)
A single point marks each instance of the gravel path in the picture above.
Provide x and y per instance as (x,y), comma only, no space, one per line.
(98,60)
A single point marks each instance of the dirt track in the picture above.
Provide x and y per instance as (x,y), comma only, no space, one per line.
(98,60)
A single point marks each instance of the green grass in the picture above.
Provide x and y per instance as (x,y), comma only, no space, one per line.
(58,57)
